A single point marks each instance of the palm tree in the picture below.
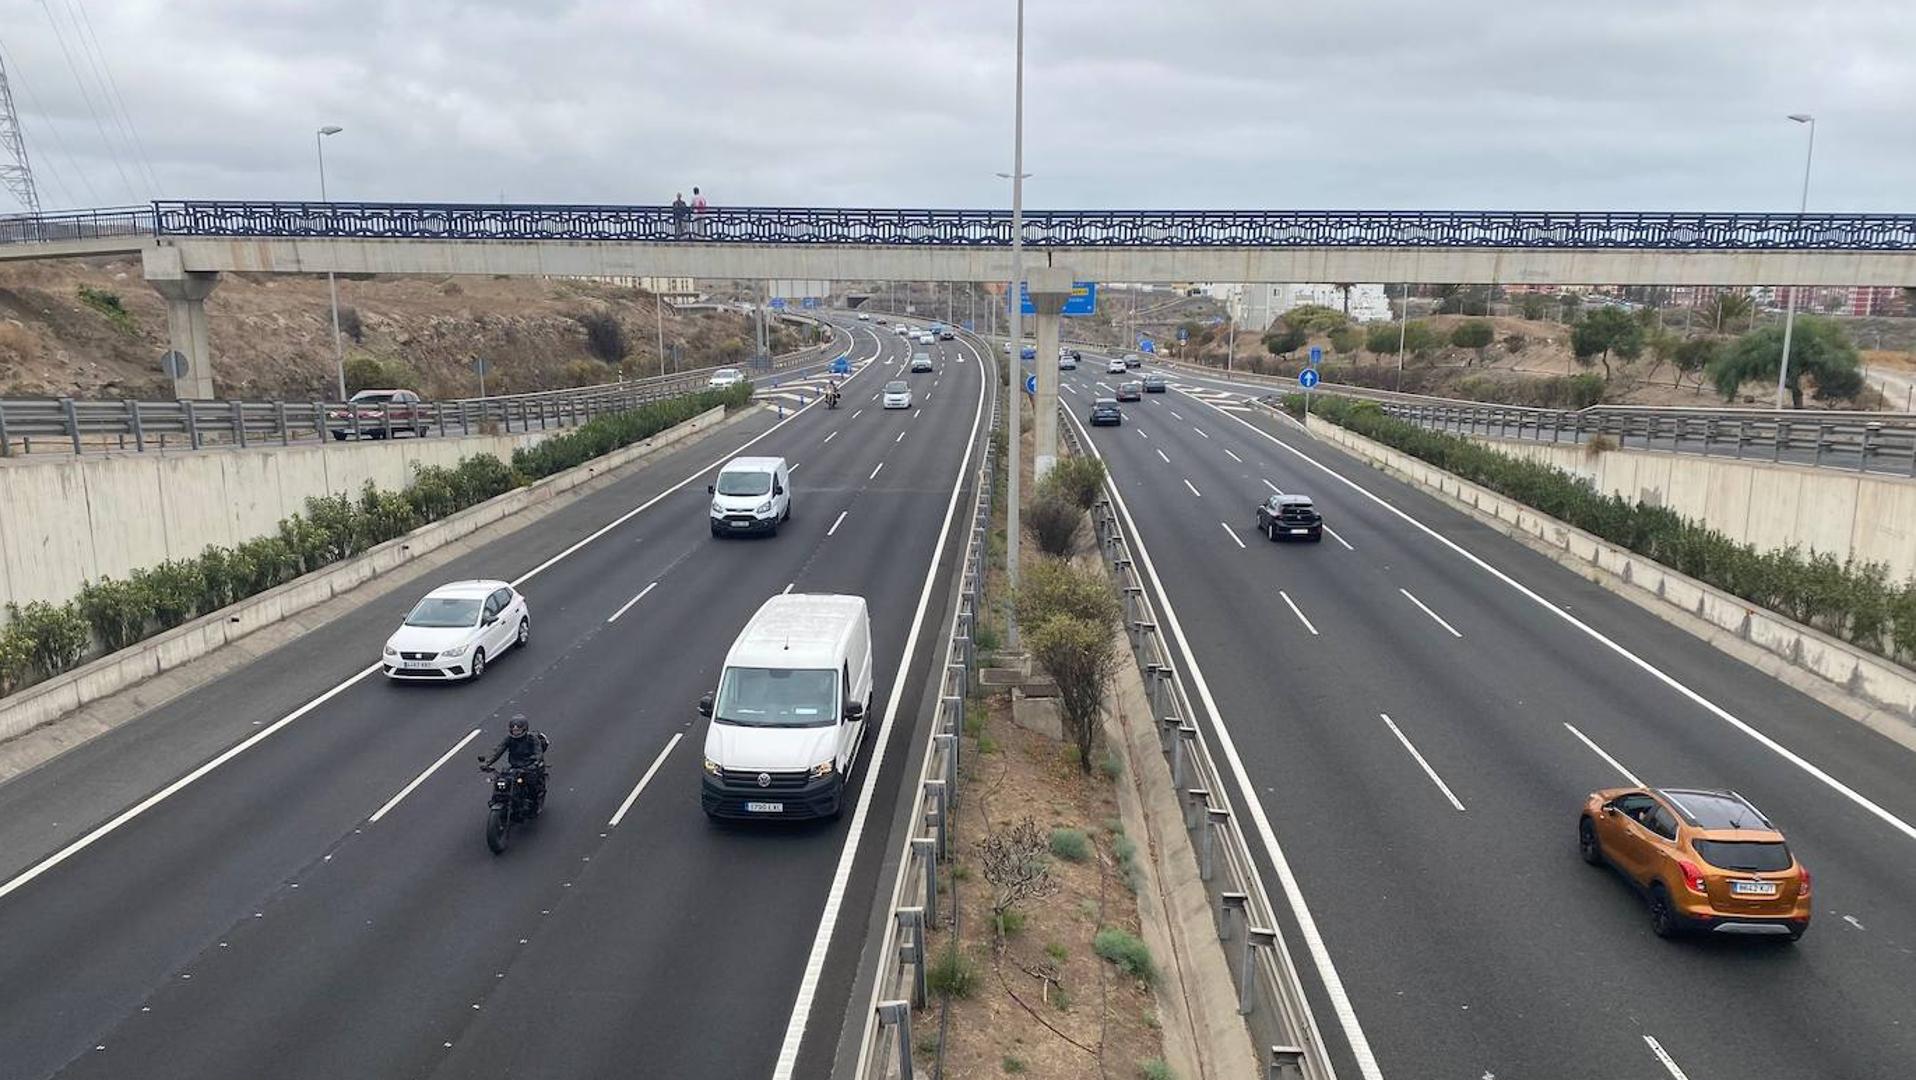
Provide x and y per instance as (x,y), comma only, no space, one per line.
(1727,307)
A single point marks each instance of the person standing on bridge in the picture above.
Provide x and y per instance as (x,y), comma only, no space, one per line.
(698,213)
(680,212)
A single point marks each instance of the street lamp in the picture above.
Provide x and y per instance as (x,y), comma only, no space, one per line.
(1017,351)
(1789,308)
(332,285)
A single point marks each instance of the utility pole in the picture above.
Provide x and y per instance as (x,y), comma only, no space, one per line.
(1789,310)
(16,172)
(332,284)
(658,312)
(1016,365)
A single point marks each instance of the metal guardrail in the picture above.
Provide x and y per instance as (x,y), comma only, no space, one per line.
(1270,992)
(1577,229)
(904,959)
(74,426)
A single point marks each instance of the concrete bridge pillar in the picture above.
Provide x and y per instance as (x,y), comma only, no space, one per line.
(1050,287)
(185,292)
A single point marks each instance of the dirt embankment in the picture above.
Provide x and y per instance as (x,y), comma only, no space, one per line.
(94,329)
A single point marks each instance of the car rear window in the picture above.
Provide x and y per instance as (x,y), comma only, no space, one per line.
(1755,856)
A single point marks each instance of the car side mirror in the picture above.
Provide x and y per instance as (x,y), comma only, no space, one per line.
(778,489)
(711,489)
(1607,809)
(705,705)
(854,710)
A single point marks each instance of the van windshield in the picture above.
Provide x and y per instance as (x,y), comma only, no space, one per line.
(777,697)
(744,483)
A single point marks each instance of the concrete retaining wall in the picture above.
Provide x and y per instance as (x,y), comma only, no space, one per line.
(48,701)
(67,521)
(1886,691)
(1769,505)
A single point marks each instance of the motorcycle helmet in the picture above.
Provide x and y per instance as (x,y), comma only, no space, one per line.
(517,726)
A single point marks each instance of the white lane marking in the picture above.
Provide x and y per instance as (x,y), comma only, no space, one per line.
(628,604)
(619,815)
(1605,755)
(830,437)
(1175,416)
(1286,877)
(1664,1056)
(792,469)
(1190,485)
(1233,457)
(874,474)
(1639,662)
(1068,388)
(421,778)
(1232,533)
(1141,433)
(915,412)
(788,586)
(1199,430)
(1102,386)
(858,414)
(841,876)
(1426,610)
(1428,771)
(875,396)
(1272,486)
(1851,919)
(1339,539)
(1295,611)
(1162,456)
(835,524)
(899,439)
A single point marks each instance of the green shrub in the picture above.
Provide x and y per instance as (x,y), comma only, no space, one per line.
(1053,588)
(1112,766)
(222,576)
(1054,521)
(54,638)
(1155,1069)
(604,434)
(117,611)
(1056,952)
(1012,1066)
(108,304)
(1009,923)
(1079,478)
(16,659)
(174,589)
(383,515)
(1070,844)
(1127,952)
(952,974)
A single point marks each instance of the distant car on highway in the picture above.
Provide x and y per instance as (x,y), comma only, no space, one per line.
(1155,384)
(901,330)
(1281,517)
(881,322)
(864,316)
(725,378)
(1105,411)
(378,412)
(897,394)
(947,335)
(1133,360)
(921,362)
(1114,367)
(842,364)
(1131,391)
(1703,860)
(456,630)
(1067,362)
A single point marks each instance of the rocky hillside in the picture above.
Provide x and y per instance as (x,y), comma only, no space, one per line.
(94,329)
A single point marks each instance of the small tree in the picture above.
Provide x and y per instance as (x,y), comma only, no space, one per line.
(604,336)
(1080,478)
(1476,334)
(1692,356)
(1054,520)
(1284,340)
(1077,654)
(1055,587)
(1725,308)
(1012,858)
(1602,332)
(1533,307)
(1347,339)
(1818,348)
(1313,318)
(1569,303)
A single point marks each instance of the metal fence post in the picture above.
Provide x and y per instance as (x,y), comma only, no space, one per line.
(911,921)
(6,442)
(935,804)
(1195,799)
(192,424)
(139,428)
(1180,753)
(922,848)
(897,1015)
(1255,937)
(1218,818)
(72,421)
(239,422)
(1228,902)
(1287,1063)
(950,744)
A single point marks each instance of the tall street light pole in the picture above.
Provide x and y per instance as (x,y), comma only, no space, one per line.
(1789,308)
(332,284)
(1015,434)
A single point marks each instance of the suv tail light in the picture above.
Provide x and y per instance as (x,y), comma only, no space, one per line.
(1802,883)
(1692,877)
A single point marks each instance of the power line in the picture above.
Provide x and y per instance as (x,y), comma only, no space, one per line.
(115,98)
(87,96)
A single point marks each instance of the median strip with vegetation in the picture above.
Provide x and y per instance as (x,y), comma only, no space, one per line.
(1854,601)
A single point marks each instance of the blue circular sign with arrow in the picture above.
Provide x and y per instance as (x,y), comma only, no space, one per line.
(1307,378)
(1031,384)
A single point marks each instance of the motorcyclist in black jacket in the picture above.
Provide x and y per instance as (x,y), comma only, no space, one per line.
(523,748)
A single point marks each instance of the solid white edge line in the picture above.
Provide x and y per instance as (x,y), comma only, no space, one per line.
(1657,673)
(1230,533)
(1193,487)
(1428,771)
(1605,755)
(623,608)
(619,814)
(1297,612)
(837,522)
(841,877)
(1339,539)
(1664,1056)
(421,778)
(1426,610)
(1286,878)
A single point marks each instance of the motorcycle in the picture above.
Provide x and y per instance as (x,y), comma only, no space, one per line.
(831,398)
(518,794)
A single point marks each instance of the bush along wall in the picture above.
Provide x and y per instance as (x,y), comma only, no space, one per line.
(1854,601)
(43,640)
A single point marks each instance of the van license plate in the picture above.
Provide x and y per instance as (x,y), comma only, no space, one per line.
(765,807)
(740,524)
(1753,888)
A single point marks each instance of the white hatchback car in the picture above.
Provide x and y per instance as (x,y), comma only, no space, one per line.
(725,378)
(1115,367)
(897,394)
(456,630)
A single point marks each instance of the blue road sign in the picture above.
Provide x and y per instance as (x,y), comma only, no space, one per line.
(778,303)
(1317,355)
(1145,344)
(968,326)
(1031,384)
(808,302)
(1307,378)
(1083,301)
(1183,335)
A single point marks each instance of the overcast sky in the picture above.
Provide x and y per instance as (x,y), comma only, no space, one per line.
(1600,104)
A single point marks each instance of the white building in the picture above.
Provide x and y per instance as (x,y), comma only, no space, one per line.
(1257,305)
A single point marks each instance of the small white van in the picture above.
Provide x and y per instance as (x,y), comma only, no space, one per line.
(752,495)
(790,710)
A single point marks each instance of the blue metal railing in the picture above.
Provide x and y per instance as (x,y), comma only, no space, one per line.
(1682,231)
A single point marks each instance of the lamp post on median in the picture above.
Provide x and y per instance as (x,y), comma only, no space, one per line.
(332,284)
(1014,435)
(1789,308)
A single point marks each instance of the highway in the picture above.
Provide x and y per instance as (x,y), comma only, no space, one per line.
(320,903)
(1420,704)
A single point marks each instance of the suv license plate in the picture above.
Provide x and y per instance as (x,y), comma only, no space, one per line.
(765,807)
(1753,888)
(1300,532)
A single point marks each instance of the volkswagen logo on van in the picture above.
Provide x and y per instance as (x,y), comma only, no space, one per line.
(764,779)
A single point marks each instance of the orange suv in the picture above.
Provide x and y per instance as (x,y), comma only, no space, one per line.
(1704,860)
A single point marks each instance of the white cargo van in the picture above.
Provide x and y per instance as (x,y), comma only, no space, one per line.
(753,494)
(790,709)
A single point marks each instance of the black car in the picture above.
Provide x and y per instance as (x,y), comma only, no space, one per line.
(1285,516)
(1131,391)
(1155,384)
(1105,411)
